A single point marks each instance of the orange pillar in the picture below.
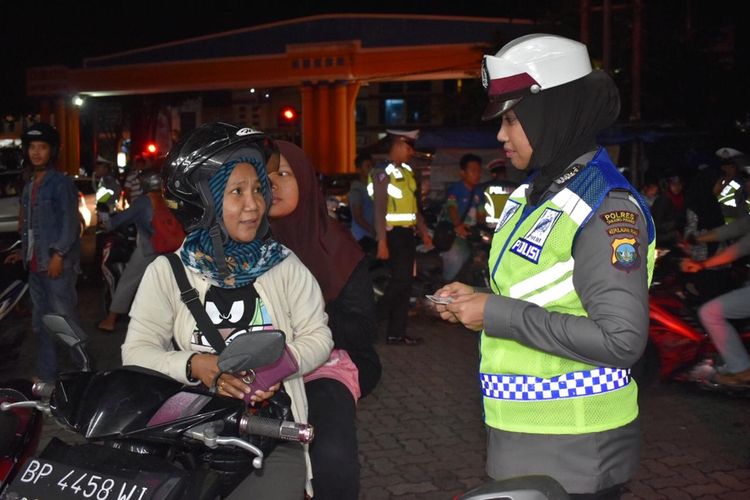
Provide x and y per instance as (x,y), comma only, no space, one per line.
(339,130)
(61,126)
(74,140)
(352,89)
(45,113)
(323,160)
(308,112)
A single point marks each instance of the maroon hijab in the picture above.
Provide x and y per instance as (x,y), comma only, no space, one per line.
(325,246)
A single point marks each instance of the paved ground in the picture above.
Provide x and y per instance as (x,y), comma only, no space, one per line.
(421,435)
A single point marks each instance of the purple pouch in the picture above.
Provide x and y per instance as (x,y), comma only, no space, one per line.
(264,377)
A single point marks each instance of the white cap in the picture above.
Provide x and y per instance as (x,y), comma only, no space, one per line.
(409,136)
(728,153)
(528,65)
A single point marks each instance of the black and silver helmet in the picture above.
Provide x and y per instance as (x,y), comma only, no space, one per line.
(190,164)
(41,132)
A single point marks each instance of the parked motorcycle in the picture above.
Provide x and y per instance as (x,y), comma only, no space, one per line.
(14,305)
(148,436)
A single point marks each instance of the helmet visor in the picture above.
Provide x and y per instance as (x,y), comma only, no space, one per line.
(498,105)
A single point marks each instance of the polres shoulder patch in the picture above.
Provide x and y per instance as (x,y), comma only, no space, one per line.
(620,217)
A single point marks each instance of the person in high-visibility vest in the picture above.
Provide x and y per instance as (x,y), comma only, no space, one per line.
(729,188)
(570,265)
(497,190)
(107,186)
(395,193)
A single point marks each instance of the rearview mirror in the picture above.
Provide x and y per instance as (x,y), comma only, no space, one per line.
(72,335)
(252,350)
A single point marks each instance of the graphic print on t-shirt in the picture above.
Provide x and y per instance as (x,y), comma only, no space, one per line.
(233,312)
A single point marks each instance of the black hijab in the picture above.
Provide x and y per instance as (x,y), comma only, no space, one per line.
(561,124)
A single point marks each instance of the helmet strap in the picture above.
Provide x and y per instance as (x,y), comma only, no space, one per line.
(216,230)
(217,240)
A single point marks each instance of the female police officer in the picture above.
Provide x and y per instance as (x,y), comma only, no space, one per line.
(571,261)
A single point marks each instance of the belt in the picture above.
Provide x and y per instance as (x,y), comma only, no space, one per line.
(567,385)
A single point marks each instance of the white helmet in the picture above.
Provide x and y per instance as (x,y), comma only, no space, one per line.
(528,65)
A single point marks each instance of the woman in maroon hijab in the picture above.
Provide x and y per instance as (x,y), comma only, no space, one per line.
(300,221)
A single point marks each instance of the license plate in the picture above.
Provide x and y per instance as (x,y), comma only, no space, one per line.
(46,480)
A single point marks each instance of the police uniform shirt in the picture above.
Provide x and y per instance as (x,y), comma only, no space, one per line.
(615,297)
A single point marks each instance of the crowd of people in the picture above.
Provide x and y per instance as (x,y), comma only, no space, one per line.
(565,318)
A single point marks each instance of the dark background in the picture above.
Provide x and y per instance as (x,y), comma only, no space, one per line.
(695,53)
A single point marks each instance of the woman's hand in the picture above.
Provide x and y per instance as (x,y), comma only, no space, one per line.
(468,310)
(263,395)
(206,366)
(452,290)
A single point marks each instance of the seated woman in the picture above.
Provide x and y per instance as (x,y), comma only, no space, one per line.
(299,221)
(218,183)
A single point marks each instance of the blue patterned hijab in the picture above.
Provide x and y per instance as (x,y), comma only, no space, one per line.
(246,261)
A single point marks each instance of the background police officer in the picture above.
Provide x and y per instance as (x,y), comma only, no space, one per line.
(729,188)
(396,196)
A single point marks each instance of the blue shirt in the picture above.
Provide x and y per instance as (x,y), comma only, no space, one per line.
(466,202)
(358,196)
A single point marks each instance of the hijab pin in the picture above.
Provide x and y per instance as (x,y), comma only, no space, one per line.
(535,89)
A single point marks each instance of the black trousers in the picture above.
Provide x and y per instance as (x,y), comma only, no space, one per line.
(393,306)
(334,452)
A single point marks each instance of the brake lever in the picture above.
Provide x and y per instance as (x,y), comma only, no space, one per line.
(35,405)
(207,435)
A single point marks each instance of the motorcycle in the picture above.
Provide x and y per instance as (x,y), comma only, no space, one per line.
(475,271)
(536,487)
(678,348)
(14,305)
(116,248)
(148,436)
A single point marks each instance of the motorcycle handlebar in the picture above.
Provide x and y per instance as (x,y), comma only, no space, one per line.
(42,390)
(278,429)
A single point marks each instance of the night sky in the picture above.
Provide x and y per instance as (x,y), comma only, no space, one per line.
(683,77)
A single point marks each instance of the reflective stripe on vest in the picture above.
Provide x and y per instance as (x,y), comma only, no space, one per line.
(726,197)
(495,198)
(103,194)
(401,217)
(567,385)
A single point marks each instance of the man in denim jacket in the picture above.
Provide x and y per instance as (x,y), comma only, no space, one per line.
(50,227)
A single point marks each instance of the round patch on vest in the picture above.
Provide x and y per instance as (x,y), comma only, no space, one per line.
(625,253)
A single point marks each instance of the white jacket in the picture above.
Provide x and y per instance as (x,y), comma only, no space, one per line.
(290,293)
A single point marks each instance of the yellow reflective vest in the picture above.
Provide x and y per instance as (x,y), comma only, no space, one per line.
(402,196)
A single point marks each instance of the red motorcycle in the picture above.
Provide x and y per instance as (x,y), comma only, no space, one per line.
(20,430)
(678,347)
